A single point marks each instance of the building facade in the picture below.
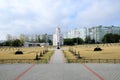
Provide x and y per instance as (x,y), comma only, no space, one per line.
(97,33)
(32,44)
(57,38)
(76,33)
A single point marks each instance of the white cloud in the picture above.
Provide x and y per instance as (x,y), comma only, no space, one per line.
(99,12)
(42,16)
(3,4)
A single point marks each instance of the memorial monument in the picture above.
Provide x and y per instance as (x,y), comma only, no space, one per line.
(57,38)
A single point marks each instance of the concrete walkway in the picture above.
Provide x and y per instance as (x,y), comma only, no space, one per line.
(57,69)
(58,57)
(60,71)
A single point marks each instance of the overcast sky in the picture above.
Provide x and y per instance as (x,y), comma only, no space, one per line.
(43,16)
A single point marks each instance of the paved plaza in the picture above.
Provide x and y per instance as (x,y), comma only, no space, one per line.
(58,69)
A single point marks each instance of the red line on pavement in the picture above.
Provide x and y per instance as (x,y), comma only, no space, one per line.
(23,73)
(93,72)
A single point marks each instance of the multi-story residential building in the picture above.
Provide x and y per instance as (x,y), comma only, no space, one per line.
(97,33)
(76,33)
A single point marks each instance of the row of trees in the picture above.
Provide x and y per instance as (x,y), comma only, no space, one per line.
(32,38)
(36,38)
(111,38)
(108,38)
(73,41)
(14,43)
(19,41)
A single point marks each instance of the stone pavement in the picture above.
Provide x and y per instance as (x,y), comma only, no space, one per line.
(58,57)
(59,70)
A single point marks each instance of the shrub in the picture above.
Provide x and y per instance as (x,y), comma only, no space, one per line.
(97,49)
(18,52)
